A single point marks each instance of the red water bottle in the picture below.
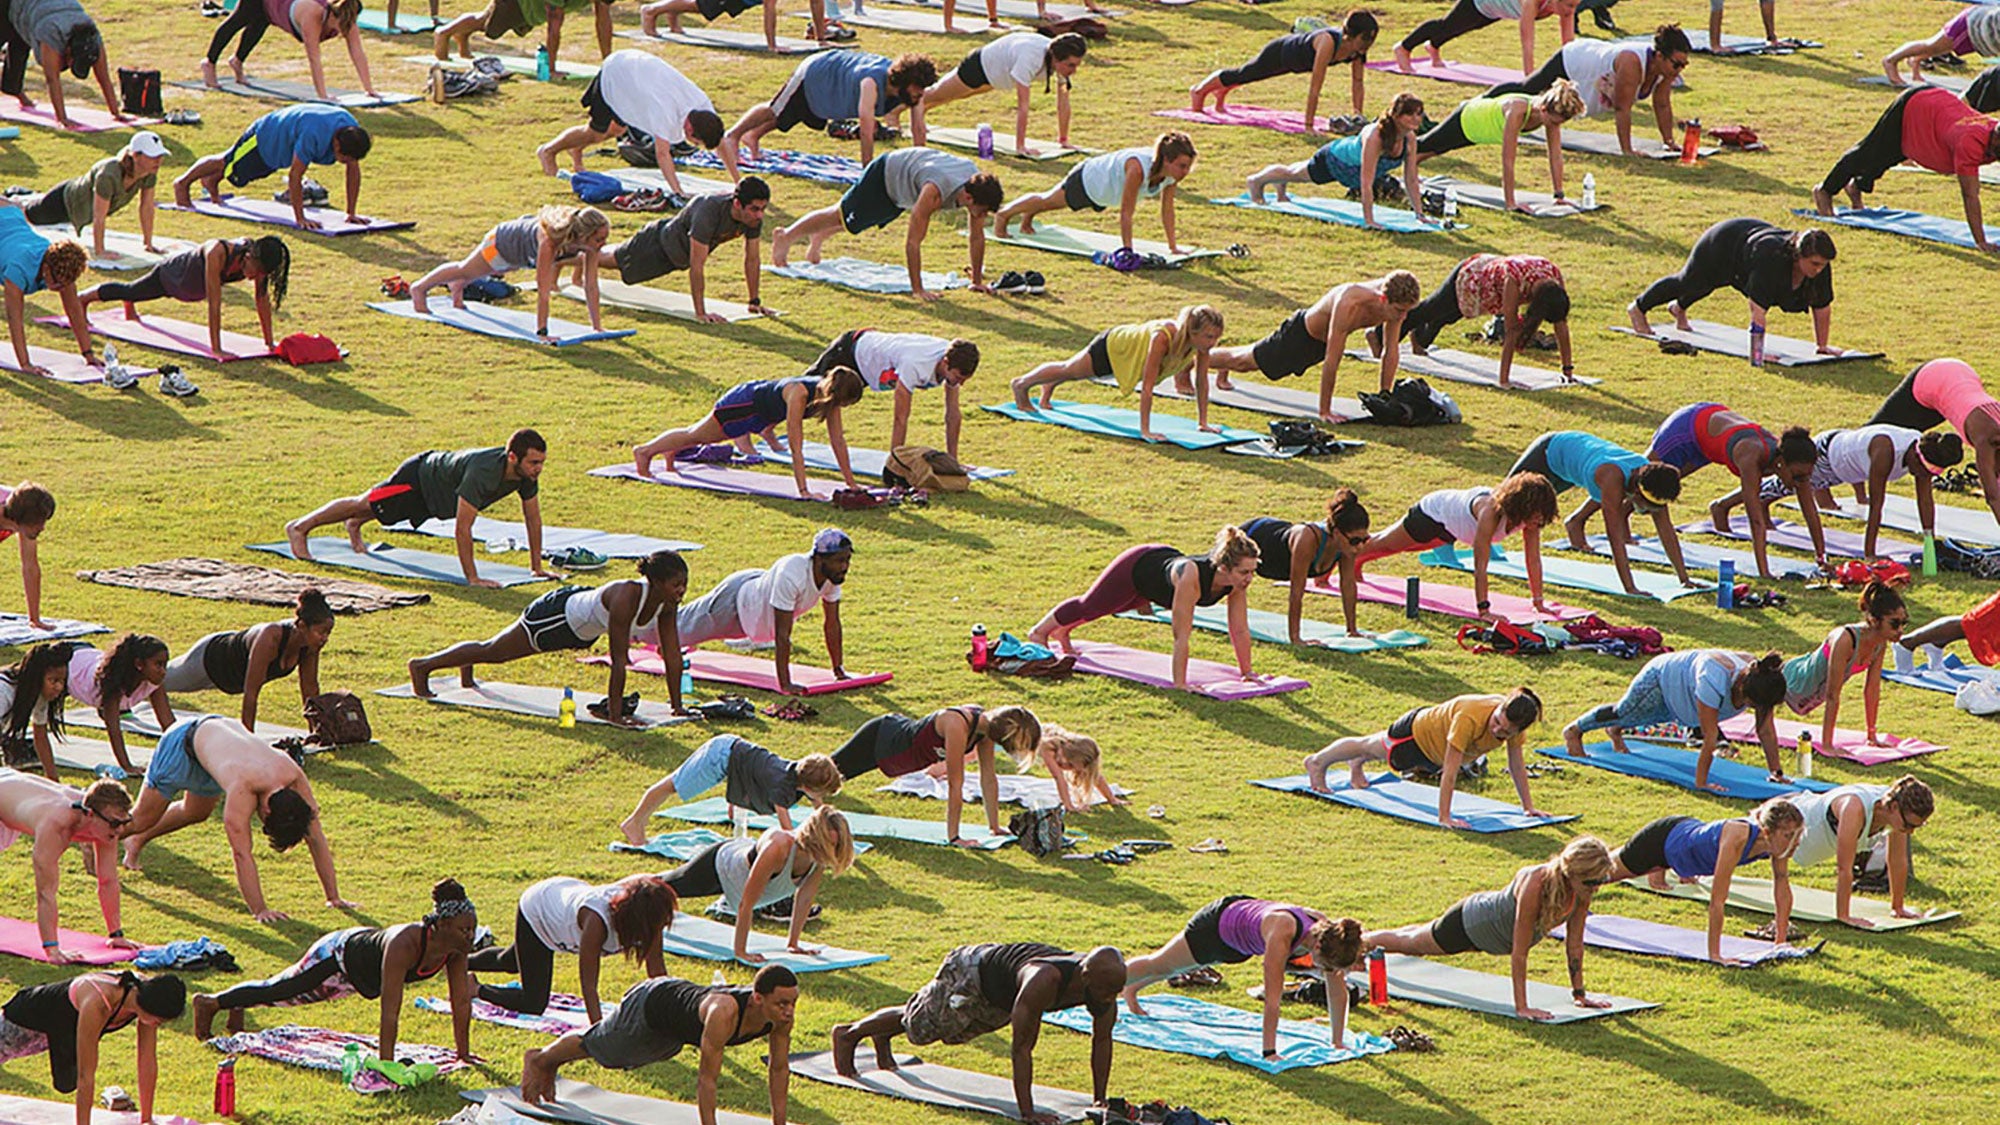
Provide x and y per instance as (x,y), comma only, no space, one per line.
(979,648)
(1691,141)
(225,1087)
(1378,978)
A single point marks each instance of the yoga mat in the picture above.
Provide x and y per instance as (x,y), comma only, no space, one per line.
(1967,525)
(641,298)
(1466,74)
(822,167)
(1122,422)
(507,324)
(727,40)
(865,462)
(319,1048)
(1156,669)
(1600,578)
(1988,174)
(1183,1025)
(1327,209)
(1657,939)
(16,632)
(84,118)
(1465,367)
(279,90)
(1606,144)
(1250,116)
(1414,801)
(1891,220)
(1950,82)
(1848,745)
(1798,537)
(1273,628)
(22,939)
(869,277)
(744,670)
(1448,986)
(92,754)
(526,699)
(1735,45)
(1264,398)
(932,1084)
(715,810)
(968,139)
(407,23)
(1953,675)
(1015,789)
(1698,556)
(1809,904)
(726,478)
(523,65)
(1059,239)
(1024,10)
(123,250)
(143,724)
(1492,197)
(65,367)
(1452,601)
(564,1014)
(250,209)
(167,334)
(1675,765)
(971,21)
(240,582)
(400,562)
(633,178)
(1728,339)
(29,1111)
(688,842)
(706,939)
(506,535)
(580,1103)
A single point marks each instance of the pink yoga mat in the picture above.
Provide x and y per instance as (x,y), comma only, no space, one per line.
(22,939)
(1156,669)
(167,335)
(88,119)
(251,209)
(1850,745)
(1452,601)
(1253,116)
(749,671)
(68,367)
(1469,74)
(726,478)
(33,1111)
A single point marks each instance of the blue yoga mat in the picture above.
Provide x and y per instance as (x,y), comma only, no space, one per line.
(1272,628)
(715,810)
(1345,212)
(416,21)
(705,939)
(1699,556)
(688,842)
(1120,422)
(1187,1026)
(1891,220)
(506,324)
(1601,578)
(866,276)
(1953,675)
(1675,766)
(400,562)
(1414,801)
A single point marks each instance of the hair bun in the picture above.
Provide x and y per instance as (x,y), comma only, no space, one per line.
(447,889)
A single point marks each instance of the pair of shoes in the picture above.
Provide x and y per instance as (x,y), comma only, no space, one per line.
(577,558)
(1204,976)
(182,117)
(120,377)
(839,32)
(1211,846)
(792,710)
(1011,283)
(1408,1040)
(172,382)
(490,66)
(631,705)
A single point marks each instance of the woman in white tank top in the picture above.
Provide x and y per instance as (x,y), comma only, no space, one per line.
(1114,179)
(1840,821)
(1474,519)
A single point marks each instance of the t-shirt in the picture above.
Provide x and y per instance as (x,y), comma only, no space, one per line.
(759,780)
(906,171)
(1015,59)
(83,664)
(105,179)
(786,587)
(476,476)
(1574,457)
(551,907)
(1944,134)
(1104,176)
(21,251)
(648,94)
(8,693)
(1982,29)
(300,132)
(708,219)
(1482,281)
(1696,676)
(1764,270)
(906,359)
(1459,724)
(831,83)
(1453,508)
(47,23)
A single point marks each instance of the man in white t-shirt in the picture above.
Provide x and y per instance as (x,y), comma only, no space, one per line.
(637,90)
(760,606)
(906,362)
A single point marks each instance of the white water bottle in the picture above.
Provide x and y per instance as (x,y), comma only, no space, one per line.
(1451,203)
(1589,191)
(718,980)
(111,359)
(1805,754)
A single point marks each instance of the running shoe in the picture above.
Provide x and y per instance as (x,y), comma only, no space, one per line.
(120,378)
(1012,282)
(839,32)
(1037,284)
(172,382)
(578,558)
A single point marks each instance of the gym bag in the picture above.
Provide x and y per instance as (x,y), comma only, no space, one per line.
(920,466)
(139,92)
(336,718)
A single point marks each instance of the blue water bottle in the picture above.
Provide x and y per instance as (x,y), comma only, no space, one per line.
(544,66)
(1725,585)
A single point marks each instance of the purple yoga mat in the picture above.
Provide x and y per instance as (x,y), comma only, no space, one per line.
(1253,116)
(1631,935)
(250,209)
(1469,74)
(724,478)
(1795,536)
(1848,745)
(1452,601)
(1156,669)
(168,335)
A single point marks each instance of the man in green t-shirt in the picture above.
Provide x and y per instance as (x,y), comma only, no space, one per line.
(443,485)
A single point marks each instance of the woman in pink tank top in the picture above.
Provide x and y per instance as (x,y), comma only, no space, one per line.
(1949,390)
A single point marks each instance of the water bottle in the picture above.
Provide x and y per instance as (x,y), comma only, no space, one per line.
(350,1063)
(544,66)
(225,1087)
(739,823)
(1589,191)
(1451,203)
(1691,142)
(1756,345)
(979,648)
(1805,753)
(566,712)
(1378,978)
(111,364)
(687,683)
(985,141)
(1725,585)
(1930,555)
(1411,595)
(718,980)
(436,86)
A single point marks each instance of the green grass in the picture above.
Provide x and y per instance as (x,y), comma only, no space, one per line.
(1899,1023)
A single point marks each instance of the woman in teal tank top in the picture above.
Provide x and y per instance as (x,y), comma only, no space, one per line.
(1355,162)
(1501,120)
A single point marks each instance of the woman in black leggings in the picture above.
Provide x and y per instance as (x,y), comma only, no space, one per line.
(199,273)
(311,22)
(1772,267)
(629,917)
(1471,15)
(1308,52)
(375,963)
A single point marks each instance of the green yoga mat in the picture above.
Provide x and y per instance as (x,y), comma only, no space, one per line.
(1272,628)
(715,810)
(1059,239)
(1599,578)
(1809,904)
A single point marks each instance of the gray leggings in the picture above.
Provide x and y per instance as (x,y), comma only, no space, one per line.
(189,670)
(712,617)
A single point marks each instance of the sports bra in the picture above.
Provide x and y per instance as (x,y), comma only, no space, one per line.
(226,659)
(1152,577)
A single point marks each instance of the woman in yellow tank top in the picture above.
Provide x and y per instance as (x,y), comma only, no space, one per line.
(1138,355)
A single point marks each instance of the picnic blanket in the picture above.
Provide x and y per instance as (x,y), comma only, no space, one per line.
(257,585)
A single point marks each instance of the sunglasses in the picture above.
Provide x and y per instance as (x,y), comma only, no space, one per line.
(1898,623)
(115,824)
(1678,64)
(1357,540)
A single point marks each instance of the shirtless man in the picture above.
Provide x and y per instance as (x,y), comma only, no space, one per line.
(57,816)
(1319,335)
(208,759)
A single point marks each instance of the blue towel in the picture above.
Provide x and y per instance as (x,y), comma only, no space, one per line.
(1891,220)
(869,277)
(1345,212)
(1414,801)
(407,23)
(1187,1026)
(704,939)
(1675,766)
(1953,675)
(1122,422)
(715,810)
(1273,628)
(201,952)
(1010,647)
(1600,578)
(678,846)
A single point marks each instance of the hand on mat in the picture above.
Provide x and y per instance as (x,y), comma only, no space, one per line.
(60,956)
(479,583)
(544,572)
(1869,924)
(1036,1117)
(927,295)
(1906,912)
(712,318)
(803,950)
(1454,822)
(122,943)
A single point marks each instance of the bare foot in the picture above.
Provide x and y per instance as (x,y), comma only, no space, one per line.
(295,534)
(781,245)
(1315,773)
(205,1008)
(1894,73)
(1357,776)
(844,1042)
(537,1083)
(236,68)
(634,829)
(1021,391)
(642,460)
(420,680)
(1403,60)
(1643,328)
(1656,880)
(1680,317)
(420,300)
(1132,1002)
(548,157)
(208,75)
(130,860)
(649,23)
(182,197)
(813,248)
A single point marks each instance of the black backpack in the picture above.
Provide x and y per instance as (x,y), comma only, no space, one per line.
(1411,402)
(636,146)
(139,91)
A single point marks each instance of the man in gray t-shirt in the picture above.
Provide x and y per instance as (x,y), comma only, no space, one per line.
(916,181)
(685,241)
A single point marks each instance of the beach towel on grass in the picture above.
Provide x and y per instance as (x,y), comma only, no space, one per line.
(564,1014)
(1185,1025)
(1414,801)
(16,632)
(868,277)
(1328,209)
(257,585)
(319,1048)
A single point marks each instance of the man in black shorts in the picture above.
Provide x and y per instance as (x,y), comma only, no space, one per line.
(288,140)
(1318,335)
(712,10)
(638,91)
(440,485)
(685,241)
(919,182)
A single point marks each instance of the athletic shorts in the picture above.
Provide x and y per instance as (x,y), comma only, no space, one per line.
(174,769)
(1204,935)
(791,107)
(1425,530)
(1100,356)
(489,252)
(1289,351)
(706,768)
(1449,932)
(623,1040)
(951,1008)
(1535,459)
(1647,849)
(506,18)
(716,9)
(972,71)
(1325,168)
(1982,630)
(245,165)
(1074,195)
(840,353)
(547,622)
(643,257)
(713,616)
(17,1042)
(867,205)
(737,411)
(1404,754)
(601,117)
(399,499)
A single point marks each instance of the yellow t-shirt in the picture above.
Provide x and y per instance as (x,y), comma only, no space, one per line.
(1457,724)
(1128,344)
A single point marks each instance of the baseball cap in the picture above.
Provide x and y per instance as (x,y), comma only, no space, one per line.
(831,541)
(147,143)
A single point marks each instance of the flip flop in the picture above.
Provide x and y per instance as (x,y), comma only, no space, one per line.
(1210,846)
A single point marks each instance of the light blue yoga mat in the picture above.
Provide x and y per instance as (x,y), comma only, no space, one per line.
(1966,525)
(413,21)
(506,324)
(1953,675)
(705,939)
(1414,801)
(1121,422)
(398,562)
(1345,212)
(865,462)
(1699,556)
(1601,578)
(1449,986)
(715,810)
(1187,1026)
(1272,628)
(508,535)
(1675,766)
(1892,220)
(15,630)
(869,277)
(688,842)
(13,132)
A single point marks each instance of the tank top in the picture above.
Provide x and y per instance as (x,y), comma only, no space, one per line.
(1484,120)
(518,241)
(589,617)
(1241,926)
(1000,969)
(1693,847)
(1103,176)
(6,494)
(1806,677)
(1452,508)
(929,741)
(184,275)
(832,83)
(280,13)
(1574,457)
(226,658)
(1274,548)
(365,949)
(1128,344)
(1488,918)
(49,1009)
(1720,446)
(1589,63)
(767,396)
(1151,577)
(551,907)
(1821,841)
(673,1009)
(1847,452)
(733,862)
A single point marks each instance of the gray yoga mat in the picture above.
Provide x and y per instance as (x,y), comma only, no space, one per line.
(584,1104)
(1731,340)
(1448,986)
(506,535)
(143,724)
(1492,197)
(525,699)
(918,1081)
(399,562)
(91,754)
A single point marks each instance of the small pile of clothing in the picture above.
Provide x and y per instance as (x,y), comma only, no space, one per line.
(1011,656)
(198,955)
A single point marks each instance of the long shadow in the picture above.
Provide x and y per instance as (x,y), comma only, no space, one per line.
(1626,1043)
(232,926)
(129,417)
(372,776)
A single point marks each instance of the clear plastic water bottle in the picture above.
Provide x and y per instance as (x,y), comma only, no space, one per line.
(717,980)
(985,141)
(350,1062)
(979,648)
(1451,203)
(566,711)
(544,65)
(687,684)
(1589,191)
(1805,753)
(111,363)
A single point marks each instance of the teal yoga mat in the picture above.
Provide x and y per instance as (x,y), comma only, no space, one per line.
(400,562)
(1272,629)
(502,323)
(1675,766)
(705,939)
(688,842)
(715,810)
(1120,422)
(1415,801)
(1344,212)
(1448,986)
(1058,239)
(1601,578)
(1184,1025)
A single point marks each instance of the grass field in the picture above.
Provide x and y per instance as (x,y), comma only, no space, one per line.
(1900,1024)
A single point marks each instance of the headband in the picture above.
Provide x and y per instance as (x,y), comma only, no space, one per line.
(449,908)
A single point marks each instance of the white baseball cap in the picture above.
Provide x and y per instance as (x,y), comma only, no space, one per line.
(148,143)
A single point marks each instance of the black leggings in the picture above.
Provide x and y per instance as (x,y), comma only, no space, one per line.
(47,209)
(1711,265)
(146,287)
(15,73)
(1540,82)
(535,962)
(1877,152)
(248,18)
(877,740)
(1901,408)
(1269,63)
(1423,323)
(1984,93)
(1647,849)
(697,878)
(1444,136)
(1462,17)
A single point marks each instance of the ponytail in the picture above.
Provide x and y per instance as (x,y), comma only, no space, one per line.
(1764,683)
(1344,512)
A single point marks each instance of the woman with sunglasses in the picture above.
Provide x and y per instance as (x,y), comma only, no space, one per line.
(1619,481)
(1838,821)
(57,816)
(1820,675)
(1714,850)
(1298,552)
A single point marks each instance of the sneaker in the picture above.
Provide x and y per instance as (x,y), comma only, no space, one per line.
(490,66)
(120,378)
(839,32)
(182,117)
(172,382)
(1037,284)
(1011,282)
(1602,17)
(578,558)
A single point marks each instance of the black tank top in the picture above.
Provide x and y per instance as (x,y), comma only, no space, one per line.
(363,955)
(1274,548)
(48,1009)
(227,659)
(1150,577)
(1000,969)
(673,1008)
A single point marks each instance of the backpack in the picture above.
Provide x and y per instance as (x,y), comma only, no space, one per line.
(1411,402)
(336,718)
(1039,831)
(636,148)
(919,466)
(1980,562)
(139,92)
(301,348)
(595,187)
(488,289)
(1871,869)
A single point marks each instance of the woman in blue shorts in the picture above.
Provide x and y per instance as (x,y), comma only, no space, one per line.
(759,406)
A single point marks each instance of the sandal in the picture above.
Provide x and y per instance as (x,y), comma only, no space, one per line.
(791,710)
(1203,976)
(1408,1040)
(182,117)
(630,707)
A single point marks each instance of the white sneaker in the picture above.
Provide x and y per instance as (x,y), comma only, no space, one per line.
(1935,655)
(176,384)
(120,378)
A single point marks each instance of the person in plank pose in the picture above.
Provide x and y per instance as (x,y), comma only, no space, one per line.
(1839,821)
(765,605)
(33,694)
(836,86)
(441,485)
(199,273)
(289,139)
(631,611)
(1928,126)
(1471,15)
(1113,179)
(1301,52)
(91,199)
(1974,32)
(1523,291)
(25,512)
(1868,458)
(1984,92)
(1694,850)
(242,661)
(30,263)
(311,22)
(1978,627)
(1501,119)
(1151,575)
(898,744)
(374,963)
(59,35)
(1476,518)
(712,10)
(1511,921)
(906,362)
(569,915)
(1441,738)
(782,865)
(1301,553)
(1773,268)
(755,779)
(1949,390)
(502,18)
(1357,163)
(759,407)
(684,242)
(1697,689)
(1620,482)
(543,241)
(112,683)
(638,90)
(68,1019)
(208,758)
(1318,335)
(57,816)
(1614,76)
(982,988)
(1138,356)
(1016,59)
(920,182)
(1821,675)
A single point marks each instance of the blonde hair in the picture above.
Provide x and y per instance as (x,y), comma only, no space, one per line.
(1777,815)
(1015,730)
(568,228)
(1584,859)
(818,774)
(1076,755)
(1195,318)
(343,13)
(1560,102)
(826,837)
(1232,546)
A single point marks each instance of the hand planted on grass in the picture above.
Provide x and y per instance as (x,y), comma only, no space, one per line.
(269,916)
(982,287)
(478,583)
(923,294)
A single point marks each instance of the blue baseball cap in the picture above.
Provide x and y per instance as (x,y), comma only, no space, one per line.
(831,541)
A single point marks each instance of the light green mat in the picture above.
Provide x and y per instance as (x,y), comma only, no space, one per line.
(1272,628)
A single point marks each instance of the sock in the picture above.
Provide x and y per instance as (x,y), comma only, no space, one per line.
(1934,654)
(1905,659)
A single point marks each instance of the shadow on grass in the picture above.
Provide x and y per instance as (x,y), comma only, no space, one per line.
(128,417)
(1626,1043)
